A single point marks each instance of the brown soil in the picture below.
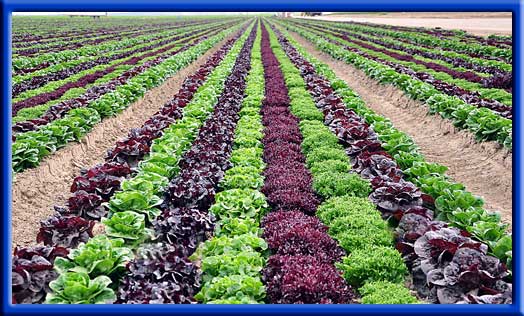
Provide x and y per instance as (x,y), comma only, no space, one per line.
(35,191)
(478,23)
(484,168)
(425,15)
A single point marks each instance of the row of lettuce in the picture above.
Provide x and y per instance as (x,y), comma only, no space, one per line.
(76,42)
(307,175)
(20,75)
(45,107)
(31,30)
(489,52)
(133,199)
(485,124)
(491,91)
(53,77)
(44,60)
(482,65)
(75,119)
(266,128)
(301,268)
(389,160)
(501,41)
(231,261)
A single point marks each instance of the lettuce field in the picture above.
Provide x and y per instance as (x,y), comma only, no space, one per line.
(259,160)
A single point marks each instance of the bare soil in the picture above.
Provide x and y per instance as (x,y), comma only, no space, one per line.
(35,191)
(478,23)
(484,168)
(424,15)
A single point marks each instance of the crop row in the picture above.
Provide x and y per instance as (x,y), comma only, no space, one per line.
(301,268)
(442,72)
(265,179)
(483,123)
(231,261)
(429,247)
(60,56)
(82,114)
(471,49)
(76,72)
(54,90)
(190,106)
(70,44)
(372,266)
(432,59)
(501,41)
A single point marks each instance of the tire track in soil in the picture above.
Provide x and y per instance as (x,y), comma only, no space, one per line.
(35,191)
(484,168)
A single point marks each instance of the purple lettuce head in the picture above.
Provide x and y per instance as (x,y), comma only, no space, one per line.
(65,231)
(304,280)
(159,275)
(184,228)
(396,196)
(32,272)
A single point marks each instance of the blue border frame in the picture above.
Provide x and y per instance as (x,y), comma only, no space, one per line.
(9,6)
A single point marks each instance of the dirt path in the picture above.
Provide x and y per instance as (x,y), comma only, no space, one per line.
(478,25)
(423,15)
(35,191)
(484,168)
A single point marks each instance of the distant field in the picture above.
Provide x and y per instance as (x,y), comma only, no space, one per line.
(478,23)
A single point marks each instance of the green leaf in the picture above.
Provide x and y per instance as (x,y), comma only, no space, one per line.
(382,292)
(128,225)
(241,203)
(99,256)
(78,288)
(236,289)
(141,202)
